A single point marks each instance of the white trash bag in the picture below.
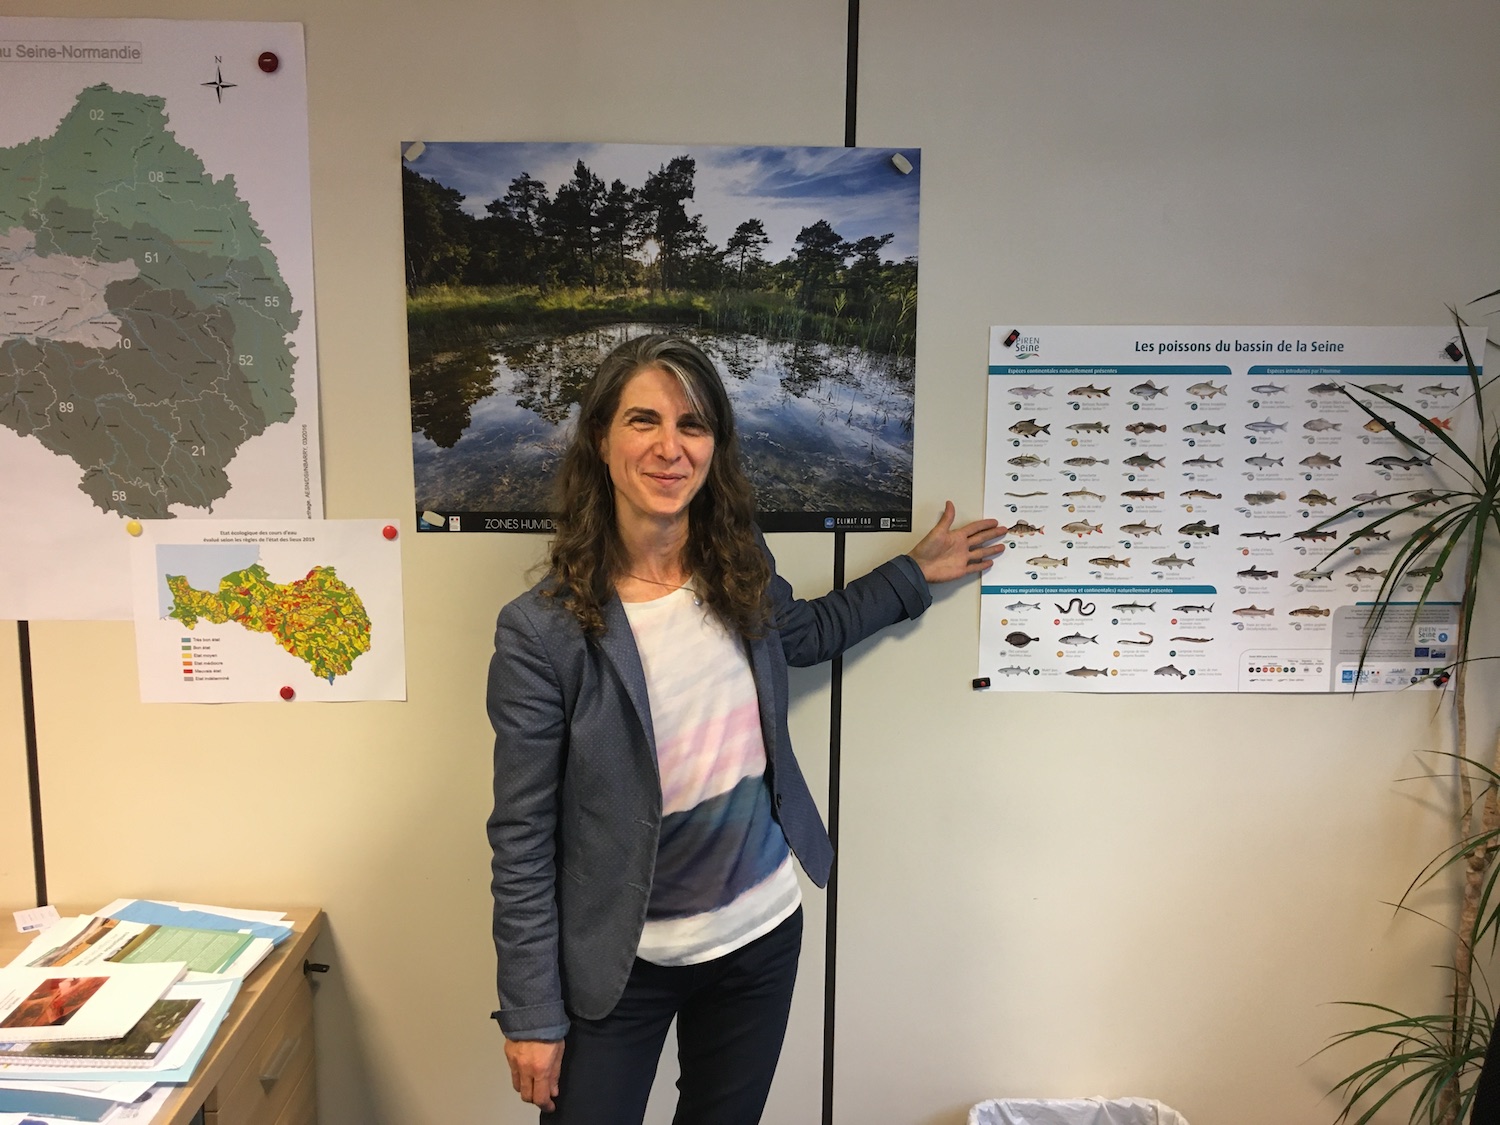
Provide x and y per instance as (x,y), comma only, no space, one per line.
(1075,1111)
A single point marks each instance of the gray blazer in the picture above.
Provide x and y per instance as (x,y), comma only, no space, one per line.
(578,798)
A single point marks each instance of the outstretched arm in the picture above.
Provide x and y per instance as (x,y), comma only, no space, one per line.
(947,552)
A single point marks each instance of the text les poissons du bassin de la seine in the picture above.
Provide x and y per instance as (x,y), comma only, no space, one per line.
(1169,347)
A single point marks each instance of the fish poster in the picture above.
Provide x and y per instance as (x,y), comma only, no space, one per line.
(1166,491)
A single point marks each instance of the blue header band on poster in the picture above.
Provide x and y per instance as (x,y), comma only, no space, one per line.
(1117,369)
(1319,370)
(1098,591)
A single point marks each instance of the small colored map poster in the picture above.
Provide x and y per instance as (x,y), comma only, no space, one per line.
(260,611)
(1166,490)
(157,351)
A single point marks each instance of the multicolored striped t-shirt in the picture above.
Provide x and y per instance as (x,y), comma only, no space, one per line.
(724,875)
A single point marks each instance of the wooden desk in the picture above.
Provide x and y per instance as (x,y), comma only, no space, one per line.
(259,1068)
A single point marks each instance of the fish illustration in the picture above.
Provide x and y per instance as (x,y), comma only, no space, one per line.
(1200,494)
(1255,574)
(1141,528)
(1147,390)
(1143,462)
(1146,428)
(1204,463)
(1324,389)
(1370,533)
(1140,633)
(1090,427)
(1382,388)
(1019,639)
(1081,528)
(1170,670)
(1314,535)
(1085,673)
(1403,463)
(1193,608)
(1309,611)
(1135,607)
(1028,428)
(1437,390)
(1314,574)
(1375,426)
(1434,423)
(1171,562)
(1315,499)
(1260,535)
(1085,462)
(1261,461)
(1013,670)
(1089,391)
(1365,572)
(1424,496)
(1202,427)
(1268,389)
(1046,562)
(1372,498)
(1322,461)
(1109,562)
(1265,426)
(1194,640)
(1016,607)
(1424,571)
(1026,461)
(1208,390)
(1319,425)
(1142,494)
(1253,610)
(1025,495)
(1198,529)
(1085,609)
(1258,498)
(1030,392)
(1078,639)
(1080,493)
(1021,527)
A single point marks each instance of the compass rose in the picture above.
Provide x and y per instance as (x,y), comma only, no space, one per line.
(219,85)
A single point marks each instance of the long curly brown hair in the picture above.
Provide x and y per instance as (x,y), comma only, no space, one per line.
(729,568)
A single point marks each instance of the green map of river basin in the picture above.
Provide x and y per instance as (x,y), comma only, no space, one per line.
(317,619)
(144,324)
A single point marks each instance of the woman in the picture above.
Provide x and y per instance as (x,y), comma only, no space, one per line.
(647,803)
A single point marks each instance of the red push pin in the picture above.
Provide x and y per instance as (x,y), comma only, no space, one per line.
(268,62)
(288,694)
(389,531)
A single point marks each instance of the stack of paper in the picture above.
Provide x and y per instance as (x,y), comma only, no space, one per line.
(102,1014)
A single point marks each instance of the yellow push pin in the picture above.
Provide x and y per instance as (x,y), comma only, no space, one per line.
(133,527)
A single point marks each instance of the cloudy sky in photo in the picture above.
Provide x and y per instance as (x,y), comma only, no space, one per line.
(858,190)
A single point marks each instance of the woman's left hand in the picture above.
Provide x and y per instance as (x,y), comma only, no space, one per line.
(947,552)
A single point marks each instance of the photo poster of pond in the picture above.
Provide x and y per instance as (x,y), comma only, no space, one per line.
(1166,489)
(793,268)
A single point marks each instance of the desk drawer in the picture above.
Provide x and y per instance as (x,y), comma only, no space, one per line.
(259,1087)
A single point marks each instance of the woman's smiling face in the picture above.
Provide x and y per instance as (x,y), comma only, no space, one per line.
(658,449)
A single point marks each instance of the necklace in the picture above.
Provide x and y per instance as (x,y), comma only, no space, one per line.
(697,598)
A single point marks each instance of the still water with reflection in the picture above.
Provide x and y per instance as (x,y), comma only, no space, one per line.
(823,428)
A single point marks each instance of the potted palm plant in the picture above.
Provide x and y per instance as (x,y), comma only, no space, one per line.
(1434,1057)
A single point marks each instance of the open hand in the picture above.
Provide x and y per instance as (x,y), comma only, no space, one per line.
(947,552)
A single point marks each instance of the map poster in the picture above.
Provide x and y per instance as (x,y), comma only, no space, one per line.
(1164,486)
(249,611)
(157,355)
(793,268)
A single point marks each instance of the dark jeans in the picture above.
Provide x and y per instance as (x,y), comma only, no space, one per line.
(731,1018)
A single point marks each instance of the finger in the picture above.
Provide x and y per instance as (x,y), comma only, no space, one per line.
(945,521)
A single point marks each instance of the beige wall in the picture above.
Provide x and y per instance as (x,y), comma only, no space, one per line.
(1042,895)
